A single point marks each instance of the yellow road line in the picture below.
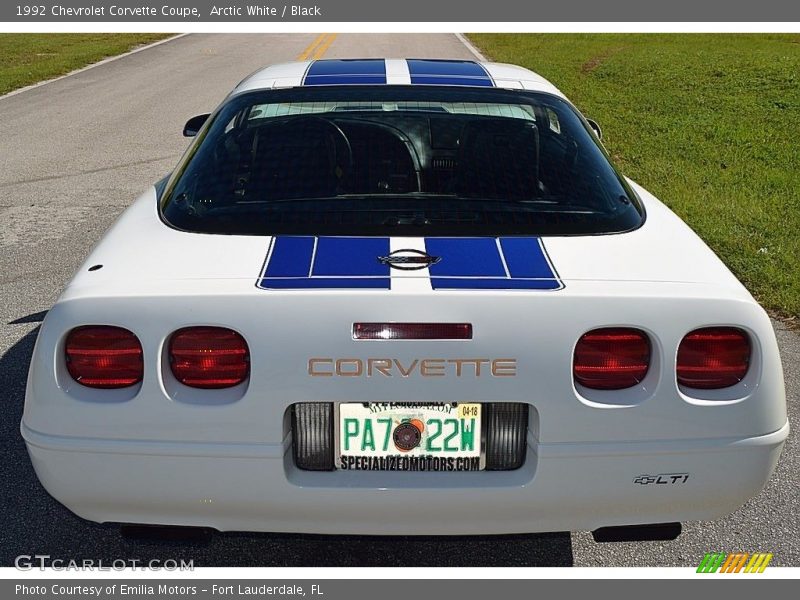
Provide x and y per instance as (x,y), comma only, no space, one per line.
(325,45)
(311,47)
(318,47)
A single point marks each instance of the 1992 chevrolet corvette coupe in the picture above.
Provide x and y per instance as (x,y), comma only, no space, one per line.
(402,297)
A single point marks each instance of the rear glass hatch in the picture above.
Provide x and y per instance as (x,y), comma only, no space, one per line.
(398,161)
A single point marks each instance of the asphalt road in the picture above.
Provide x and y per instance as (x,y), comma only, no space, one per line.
(74,153)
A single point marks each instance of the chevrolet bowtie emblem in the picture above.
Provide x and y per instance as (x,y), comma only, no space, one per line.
(409,259)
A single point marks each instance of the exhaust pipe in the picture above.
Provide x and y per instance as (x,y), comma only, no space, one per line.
(165,533)
(657,532)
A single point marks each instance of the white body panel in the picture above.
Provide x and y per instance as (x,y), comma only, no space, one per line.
(160,452)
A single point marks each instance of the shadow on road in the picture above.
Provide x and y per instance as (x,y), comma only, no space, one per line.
(32,522)
(33,318)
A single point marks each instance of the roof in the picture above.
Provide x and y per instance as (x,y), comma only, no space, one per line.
(386,71)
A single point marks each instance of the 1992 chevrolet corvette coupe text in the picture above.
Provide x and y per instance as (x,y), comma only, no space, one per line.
(402,297)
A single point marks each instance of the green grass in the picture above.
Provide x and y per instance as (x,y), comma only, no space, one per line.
(27,58)
(709,123)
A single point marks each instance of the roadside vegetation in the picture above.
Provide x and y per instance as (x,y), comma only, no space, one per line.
(27,58)
(710,123)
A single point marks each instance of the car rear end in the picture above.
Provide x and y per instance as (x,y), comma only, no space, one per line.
(436,357)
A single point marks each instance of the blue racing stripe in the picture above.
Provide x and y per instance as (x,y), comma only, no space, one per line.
(320,283)
(450,283)
(490,264)
(437,80)
(448,72)
(346,72)
(306,262)
(465,257)
(350,257)
(508,263)
(525,258)
(290,257)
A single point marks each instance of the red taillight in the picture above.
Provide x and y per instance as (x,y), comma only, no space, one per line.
(412,331)
(713,358)
(209,357)
(101,356)
(612,358)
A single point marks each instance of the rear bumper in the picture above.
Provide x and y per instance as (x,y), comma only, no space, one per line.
(255,487)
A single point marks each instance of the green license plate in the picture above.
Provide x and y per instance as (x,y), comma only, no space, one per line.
(386,436)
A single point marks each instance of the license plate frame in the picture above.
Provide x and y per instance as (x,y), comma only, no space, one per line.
(451,438)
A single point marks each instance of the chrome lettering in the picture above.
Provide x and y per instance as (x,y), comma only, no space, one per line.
(423,367)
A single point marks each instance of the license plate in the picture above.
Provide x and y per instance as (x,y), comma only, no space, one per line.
(386,436)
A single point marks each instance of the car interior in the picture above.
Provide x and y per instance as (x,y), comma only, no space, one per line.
(321,156)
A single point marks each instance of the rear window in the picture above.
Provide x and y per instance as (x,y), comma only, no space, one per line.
(398,161)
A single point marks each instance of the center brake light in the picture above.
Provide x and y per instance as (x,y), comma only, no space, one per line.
(412,331)
(103,356)
(209,357)
(612,358)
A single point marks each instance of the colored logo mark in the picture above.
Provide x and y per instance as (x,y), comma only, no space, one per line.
(743,562)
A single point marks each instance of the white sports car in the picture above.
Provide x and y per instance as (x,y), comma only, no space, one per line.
(403,297)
